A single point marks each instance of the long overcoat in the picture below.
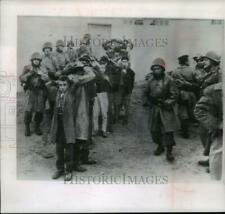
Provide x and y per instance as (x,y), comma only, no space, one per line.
(166,90)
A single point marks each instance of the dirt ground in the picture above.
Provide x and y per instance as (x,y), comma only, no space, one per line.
(129,149)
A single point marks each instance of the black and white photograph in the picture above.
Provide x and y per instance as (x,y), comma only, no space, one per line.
(112,106)
(134,100)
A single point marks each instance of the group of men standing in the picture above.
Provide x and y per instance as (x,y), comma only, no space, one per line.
(76,96)
(184,96)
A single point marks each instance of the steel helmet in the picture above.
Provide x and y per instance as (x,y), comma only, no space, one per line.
(158,62)
(36,55)
(47,45)
(212,56)
(60,43)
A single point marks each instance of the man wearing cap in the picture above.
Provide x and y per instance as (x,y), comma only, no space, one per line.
(211,76)
(127,86)
(161,96)
(209,112)
(70,52)
(185,80)
(60,58)
(33,78)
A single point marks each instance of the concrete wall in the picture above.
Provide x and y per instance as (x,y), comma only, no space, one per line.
(167,41)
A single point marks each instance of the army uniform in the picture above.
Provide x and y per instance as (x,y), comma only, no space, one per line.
(209,112)
(209,77)
(47,64)
(70,52)
(60,59)
(33,78)
(161,95)
(187,85)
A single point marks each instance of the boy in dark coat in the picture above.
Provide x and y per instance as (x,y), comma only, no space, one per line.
(63,129)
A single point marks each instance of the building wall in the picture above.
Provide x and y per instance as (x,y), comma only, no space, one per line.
(150,41)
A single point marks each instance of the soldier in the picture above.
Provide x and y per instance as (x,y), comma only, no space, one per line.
(60,58)
(187,85)
(127,87)
(71,53)
(48,64)
(209,112)
(211,68)
(33,79)
(211,63)
(199,72)
(161,94)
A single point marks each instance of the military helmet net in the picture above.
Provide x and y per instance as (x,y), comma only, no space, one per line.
(47,45)
(36,55)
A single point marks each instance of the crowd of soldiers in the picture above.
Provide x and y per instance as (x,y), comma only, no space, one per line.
(75,96)
(186,96)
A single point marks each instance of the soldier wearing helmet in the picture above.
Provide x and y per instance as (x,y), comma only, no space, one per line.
(71,53)
(50,68)
(60,58)
(211,63)
(161,96)
(211,76)
(184,77)
(34,78)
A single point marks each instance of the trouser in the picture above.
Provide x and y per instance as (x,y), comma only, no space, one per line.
(101,105)
(81,151)
(64,151)
(126,104)
(216,157)
(37,118)
(115,100)
(164,140)
(90,127)
(160,137)
(203,132)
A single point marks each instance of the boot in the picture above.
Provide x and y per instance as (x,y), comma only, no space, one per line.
(169,155)
(38,119)
(204,163)
(85,158)
(57,174)
(68,176)
(159,150)
(27,121)
(27,130)
(79,168)
(77,158)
